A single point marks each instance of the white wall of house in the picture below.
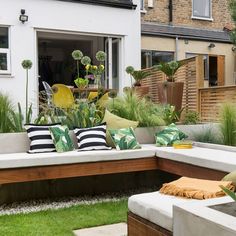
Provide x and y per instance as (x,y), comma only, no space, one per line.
(68,17)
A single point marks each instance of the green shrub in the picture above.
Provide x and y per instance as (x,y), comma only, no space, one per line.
(132,107)
(228,124)
(170,115)
(191,118)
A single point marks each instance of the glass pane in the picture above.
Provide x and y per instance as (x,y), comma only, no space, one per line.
(201,8)
(3,61)
(3,37)
(115,65)
(145,59)
(141,4)
(158,57)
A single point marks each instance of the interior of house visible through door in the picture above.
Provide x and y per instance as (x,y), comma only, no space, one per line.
(56,65)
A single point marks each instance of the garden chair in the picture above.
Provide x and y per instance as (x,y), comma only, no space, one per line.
(49,93)
(62,96)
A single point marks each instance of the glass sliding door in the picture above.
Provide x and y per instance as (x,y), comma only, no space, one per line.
(112,48)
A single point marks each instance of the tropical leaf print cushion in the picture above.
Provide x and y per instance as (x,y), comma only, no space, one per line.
(124,138)
(169,135)
(61,138)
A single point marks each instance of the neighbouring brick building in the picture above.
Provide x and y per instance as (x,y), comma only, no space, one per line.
(180,29)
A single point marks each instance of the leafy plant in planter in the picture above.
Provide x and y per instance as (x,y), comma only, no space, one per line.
(170,115)
(132,107)
(191,118)
(138,76)
(169,91)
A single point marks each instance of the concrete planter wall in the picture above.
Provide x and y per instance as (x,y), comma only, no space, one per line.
(146,135)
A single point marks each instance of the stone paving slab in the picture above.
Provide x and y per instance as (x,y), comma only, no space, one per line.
(105,230)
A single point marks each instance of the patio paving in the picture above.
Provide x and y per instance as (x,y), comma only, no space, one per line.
(105,230)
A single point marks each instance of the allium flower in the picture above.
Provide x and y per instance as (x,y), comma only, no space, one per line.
(27,64)
(101,56)
(129,69)
(77,55)
(112,94)
(86,60)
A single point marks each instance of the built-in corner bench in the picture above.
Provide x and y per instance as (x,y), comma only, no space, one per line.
(151,214)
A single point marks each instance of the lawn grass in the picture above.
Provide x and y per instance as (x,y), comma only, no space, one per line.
(61,222)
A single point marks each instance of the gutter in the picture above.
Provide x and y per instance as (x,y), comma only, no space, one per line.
(155,34)
(115,4)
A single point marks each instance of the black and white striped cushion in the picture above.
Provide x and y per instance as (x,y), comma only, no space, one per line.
(93,138)
(40,138)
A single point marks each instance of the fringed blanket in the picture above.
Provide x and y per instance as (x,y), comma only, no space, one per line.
(196,188)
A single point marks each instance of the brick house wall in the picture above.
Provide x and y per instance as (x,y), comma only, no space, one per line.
(182,13)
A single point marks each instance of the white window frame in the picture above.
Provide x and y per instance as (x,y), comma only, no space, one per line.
(6,51)
(142,6)
(201,17)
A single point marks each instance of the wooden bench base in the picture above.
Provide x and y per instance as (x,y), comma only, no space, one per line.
(138,226)
(26,174)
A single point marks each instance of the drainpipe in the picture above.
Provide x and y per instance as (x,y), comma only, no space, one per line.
(170,12)
(176,48)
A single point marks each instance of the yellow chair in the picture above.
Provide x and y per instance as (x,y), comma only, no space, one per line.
(62,96)
(101,101)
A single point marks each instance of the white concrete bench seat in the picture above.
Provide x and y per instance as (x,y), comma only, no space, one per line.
(19,160)
(203,157)
(155,207)
(159,209)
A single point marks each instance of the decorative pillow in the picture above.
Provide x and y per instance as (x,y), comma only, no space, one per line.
(169,135)
(61,138)
(40,137)
(116,122)
(93,138)
(124,138)
(230,177)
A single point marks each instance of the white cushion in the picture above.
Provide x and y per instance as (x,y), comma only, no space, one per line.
(15,160)
(205,157)
(156,207)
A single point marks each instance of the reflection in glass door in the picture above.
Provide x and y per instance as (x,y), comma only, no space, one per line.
(112,48)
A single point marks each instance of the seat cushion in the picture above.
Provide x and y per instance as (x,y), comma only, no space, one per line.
(155,207)
(16,160)
(205,157)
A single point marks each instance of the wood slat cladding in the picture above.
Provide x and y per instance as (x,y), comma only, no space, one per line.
(211,99)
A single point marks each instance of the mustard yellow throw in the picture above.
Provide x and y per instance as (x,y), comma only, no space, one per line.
(196,188)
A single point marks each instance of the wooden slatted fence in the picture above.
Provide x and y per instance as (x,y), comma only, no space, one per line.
(190,73)
(211,99)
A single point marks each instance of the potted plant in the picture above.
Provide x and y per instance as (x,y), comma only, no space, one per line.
(138,76)
(170,91)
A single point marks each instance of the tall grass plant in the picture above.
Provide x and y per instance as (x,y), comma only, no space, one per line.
(228,124)
(6,108)
(132,107)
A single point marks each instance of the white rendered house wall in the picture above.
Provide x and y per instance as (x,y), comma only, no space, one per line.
(68,17)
